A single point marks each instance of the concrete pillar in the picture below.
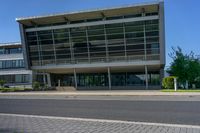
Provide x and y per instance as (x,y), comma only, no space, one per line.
(44,78)
(146,77)
(162,75)
(75,78)
(59,83)
(109,79)
(48,80)
(44,81)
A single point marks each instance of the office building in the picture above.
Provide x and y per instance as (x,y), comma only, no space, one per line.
(12,68)
(114,48)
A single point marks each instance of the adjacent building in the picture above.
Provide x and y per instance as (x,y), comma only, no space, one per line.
(115,48)
(12,68)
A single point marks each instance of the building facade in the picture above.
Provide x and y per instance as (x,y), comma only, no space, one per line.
(12,68)
(115,48)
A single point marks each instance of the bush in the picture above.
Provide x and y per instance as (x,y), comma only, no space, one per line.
(168,82)
(2,82)
(14,89)
(36,86)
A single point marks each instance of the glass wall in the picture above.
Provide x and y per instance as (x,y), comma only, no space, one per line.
(97,43)
(92,79)
(9,64)
(101,43)
(134,79)
(10,50)
(64,79)
(19,78)
(101,79)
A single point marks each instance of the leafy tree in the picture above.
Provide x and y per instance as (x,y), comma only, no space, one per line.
(185,67)
(194,69)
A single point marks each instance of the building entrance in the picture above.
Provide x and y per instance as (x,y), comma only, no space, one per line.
(62,80)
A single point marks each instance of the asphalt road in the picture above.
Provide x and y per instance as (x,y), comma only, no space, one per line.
(173,112)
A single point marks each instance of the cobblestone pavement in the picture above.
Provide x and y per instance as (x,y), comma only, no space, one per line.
(10,123)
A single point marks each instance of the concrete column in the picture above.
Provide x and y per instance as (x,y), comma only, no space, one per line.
(162,32)
(75,78)
(106,45)
(24,47)
(125,45)
(31,77)
(44,78)
(88,47)
(44,81)
(145,43)
(162,75)
(48,80)
(54,49)
(146,77)
(59,83)
(109,79)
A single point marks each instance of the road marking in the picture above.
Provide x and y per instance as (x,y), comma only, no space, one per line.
(103,120)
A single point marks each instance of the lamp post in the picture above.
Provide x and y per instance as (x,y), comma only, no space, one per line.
(175,83)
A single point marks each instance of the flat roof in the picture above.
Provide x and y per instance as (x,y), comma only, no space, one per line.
(10,44)
(89,14)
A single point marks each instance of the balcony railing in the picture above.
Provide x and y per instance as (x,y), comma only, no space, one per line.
(91,60)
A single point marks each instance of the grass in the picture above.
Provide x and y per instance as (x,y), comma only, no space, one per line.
(181,90)
(14,89)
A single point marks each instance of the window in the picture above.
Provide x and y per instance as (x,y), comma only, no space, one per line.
(9,64)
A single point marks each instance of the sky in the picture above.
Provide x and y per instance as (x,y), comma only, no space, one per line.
(182,18)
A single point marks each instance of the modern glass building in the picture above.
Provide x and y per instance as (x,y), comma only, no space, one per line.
(12,68)
(115,48)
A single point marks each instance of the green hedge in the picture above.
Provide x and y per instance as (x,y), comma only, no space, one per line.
(168,82)
(14,89)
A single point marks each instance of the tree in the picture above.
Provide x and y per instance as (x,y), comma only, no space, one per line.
(194,69)
(185,67)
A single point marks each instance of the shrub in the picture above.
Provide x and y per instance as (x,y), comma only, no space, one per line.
(14,89)
(168,82)
(2,82)
(36,85)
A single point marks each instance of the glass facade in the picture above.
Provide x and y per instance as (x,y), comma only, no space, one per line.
(12,67)
(110,38)
(101,79)
(11,64)
(100,43)
(18,78)
(10,50)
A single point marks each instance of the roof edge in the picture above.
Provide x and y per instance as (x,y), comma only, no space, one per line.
(10,43)
(90,10)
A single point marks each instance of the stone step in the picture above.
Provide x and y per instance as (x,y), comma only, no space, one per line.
(66,88)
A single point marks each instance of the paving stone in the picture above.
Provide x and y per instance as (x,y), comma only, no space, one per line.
(23,124)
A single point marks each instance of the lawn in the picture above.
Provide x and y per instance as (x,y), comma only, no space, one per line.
(181,90)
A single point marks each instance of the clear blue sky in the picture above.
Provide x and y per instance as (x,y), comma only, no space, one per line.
(182,18)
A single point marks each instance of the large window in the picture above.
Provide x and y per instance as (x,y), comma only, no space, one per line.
(10,50)
(9,64)
(134,79)
(99,43)
(19,78)
(92,79)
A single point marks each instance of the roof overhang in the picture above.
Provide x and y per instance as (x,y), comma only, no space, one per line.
(89,14)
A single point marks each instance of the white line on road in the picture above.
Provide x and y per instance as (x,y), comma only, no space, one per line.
(103,120)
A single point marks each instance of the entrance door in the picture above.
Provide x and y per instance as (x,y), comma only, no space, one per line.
(64,79)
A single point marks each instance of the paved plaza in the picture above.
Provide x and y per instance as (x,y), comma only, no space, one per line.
(11,123)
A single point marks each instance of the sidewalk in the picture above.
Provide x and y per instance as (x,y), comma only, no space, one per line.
(48,124)
(103,93)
